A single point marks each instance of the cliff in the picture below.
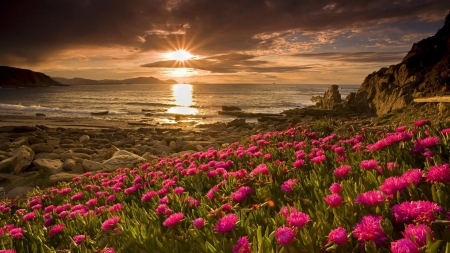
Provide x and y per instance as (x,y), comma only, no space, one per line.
(14,77)
(423,72)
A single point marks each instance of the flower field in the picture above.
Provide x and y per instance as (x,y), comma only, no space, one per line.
(299,190)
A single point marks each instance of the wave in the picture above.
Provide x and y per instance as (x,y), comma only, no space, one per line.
(38,108)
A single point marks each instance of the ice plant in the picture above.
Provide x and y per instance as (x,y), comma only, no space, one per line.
(418,233)
(242,245)
(226,223)
(56,229)
(438,174)
(287,185)
(198,223)
(418,211)
(78,239)
(109,223)
(335,188)
(338,236)
(333,200)
(342,171)
(404,246)
(285,235)
(298,219)
(369,164)
(369,229)
(173,219)
(370,198)
(28,216)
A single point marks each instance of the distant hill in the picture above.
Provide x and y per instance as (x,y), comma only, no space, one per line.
(14,77)
(137,80)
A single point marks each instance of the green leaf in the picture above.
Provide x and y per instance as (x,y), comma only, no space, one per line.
(434,247)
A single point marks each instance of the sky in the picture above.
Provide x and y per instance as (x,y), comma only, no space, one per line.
(215,41)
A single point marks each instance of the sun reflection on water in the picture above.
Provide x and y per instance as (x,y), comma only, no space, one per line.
(182,93)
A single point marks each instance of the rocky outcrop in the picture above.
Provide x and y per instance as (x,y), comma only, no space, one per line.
(14,77)
(424,71)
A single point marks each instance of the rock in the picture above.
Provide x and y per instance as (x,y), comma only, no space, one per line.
(89,165)
(173,145)
(40,114)
(34,140)
(52,156)
(199,147)
(17,129)
(10,177)
(230,108)
(444,109)
(22,158)
(331,98)
(50,166)
(84,139)
(68,145)
(66,141)
(42,148)
(123,159)
(73,166)
(189,147)
(75,155)
(18,191)
(236,123)
(113,149)
(54,142)
(83,150)
(20,142)
(7,165)
(159,149)
(149,157)
(61,177)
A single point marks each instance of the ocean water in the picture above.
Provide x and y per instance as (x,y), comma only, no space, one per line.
(159,103)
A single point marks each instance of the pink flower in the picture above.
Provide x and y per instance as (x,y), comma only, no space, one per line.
(16,232)
(427,142)
(260,169)
(445,131)
(370,198)
(418,211)
(28,216)
(333,200)
(173,219)
(178,190)
(287,185)
(342,171)
(369,164)
(438,174)
(242,245)
(404,246)
(285,235)
(48,222)
(286,212)
(298,219)
(418,233)
(318,159)
(115,208)
(338,236)
(161,209)
(110,198)
(149,195)
(392,185)
(109,223)
(77,196)
(92,202)
(198,223)
(335,188)
(78,239)
(421,122)
(56,229)
(241,193)
(369,229)
(412,176)
(298,163)
(226,223)
(7,251)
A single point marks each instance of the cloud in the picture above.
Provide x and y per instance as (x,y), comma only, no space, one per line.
(358,57)
(33,31)
(228,63)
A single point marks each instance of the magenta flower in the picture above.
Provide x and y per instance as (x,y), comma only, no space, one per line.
(7,251)
(412,176)
(198,223)
(92,202)
(342,171)
(28,216)
(56,229)
(109,223)
(369,164)
(369,229)
(78,239)
(298,219)
(48,222)
(318,159)
(445,131)
(161,209)
(173,219)
(77,196)
(241,193)
(226,223)
(242,245)
(333,200)
(287,185)
(149,195)
(338,236)
(392,185)
(370,198)
(427,142)
(285,235)
(110,198)
(286,212)
(16,232)
(178,190)
(418,233)
(404,245)
(438,174)
(298,163)
(417,211)
(260,169)
(421,122)
(335,188)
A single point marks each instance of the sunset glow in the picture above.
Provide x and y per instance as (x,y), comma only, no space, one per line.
(179,55)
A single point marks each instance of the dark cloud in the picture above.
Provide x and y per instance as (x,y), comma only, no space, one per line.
(358,57)
(34,30)
(230,63)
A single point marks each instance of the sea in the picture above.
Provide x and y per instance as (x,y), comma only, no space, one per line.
(160,103)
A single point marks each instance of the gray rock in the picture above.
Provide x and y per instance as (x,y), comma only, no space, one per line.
(84,139)
(18,191)
(50,166)
(42,148)
(22,158)
(89,165)
(123,159)
(73,166)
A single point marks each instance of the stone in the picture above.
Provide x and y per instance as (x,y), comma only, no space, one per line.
(199,147)
(54,142)
(22,158)
(50,166)
(18,191)
(52,156)
(84,139)
(7,165)
(444,109)
(66,141)
(83,150)
(61,177)
(40,114)
(331,98)
(230,108)
(236,123)
(34,140)
(69,145)
(73,166)
(42,148)
(149,157)
(123,159)
(89,165)
(158,149)
(17,129)
(10,177)
(173,145)
(189,147)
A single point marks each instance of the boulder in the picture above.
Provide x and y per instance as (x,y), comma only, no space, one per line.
(73,166)
(84,139)
(52,156)
(61,177)
(230,108)
(189,146)
(173,145)
(22,158)
(54,142)
(7,165)
(42,148)
(83,150)
(123,159)
(444,109)
(50,166)
(34,140)
(149,157)
(89,165)
(331,98)
(18,191)
(236,123)
(159,149)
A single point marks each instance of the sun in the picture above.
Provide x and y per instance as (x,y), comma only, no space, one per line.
(179,55)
